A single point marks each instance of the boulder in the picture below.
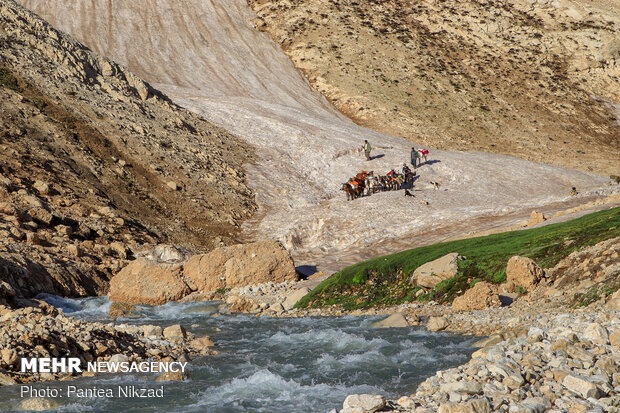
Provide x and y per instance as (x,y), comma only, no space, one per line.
(42,187)
(481,296)
(240,265)
(467,387)
(6,380)
(366,403)
(596,334)
(511,374)
(119,358)
(436,323)
(37,404)
(536,218)
(170,376)
(276,308)
(581,386)
(9,356)
(147,282)
(523,272)
(152,331)
(395,320)
(535,335)
(614,301)
(433,272)
(295,296)
(531,405)
(167,253)
(614,339)
(175,332)
(406,402)
(201,343)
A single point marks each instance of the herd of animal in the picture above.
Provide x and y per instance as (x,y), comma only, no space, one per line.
(366,183)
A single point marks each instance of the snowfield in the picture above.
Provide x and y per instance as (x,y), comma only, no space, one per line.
(208,57)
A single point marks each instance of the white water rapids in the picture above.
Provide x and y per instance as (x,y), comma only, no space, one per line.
(265,365)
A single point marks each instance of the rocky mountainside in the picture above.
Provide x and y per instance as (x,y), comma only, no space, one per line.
(536,79)
(210,58)
(95,163)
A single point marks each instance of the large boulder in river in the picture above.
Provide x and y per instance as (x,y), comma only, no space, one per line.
(433,272)
(240,265)
(481,296)
(523,272)
(148,282)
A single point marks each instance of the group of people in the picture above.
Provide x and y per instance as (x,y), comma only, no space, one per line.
(367,183)
(416,155)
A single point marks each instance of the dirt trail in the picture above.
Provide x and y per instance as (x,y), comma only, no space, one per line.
(209,58)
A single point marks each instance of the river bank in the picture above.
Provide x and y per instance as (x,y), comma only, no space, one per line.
(530,349)
(264,364)
(538,355)
(553,349)
(45,331)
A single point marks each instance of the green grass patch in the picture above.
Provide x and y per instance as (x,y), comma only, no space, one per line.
(601,289)
(384,280)
(8,80)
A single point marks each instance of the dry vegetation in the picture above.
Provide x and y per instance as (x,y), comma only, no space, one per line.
(534,79)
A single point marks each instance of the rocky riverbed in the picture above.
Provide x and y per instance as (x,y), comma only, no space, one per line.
(539,355)
(42,330)
(553,349)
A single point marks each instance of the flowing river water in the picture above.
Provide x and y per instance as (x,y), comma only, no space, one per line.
(268,364)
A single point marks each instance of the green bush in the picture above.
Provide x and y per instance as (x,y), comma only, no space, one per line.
(8,80)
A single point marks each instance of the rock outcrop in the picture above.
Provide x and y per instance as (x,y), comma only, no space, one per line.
(523,272)
(433,272)
(147,282)
(240,265)
(87,150)
(536,218)
(481,296)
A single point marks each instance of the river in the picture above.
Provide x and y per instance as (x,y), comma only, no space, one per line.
(286,365)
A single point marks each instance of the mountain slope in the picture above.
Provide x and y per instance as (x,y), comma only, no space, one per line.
(210,58)
(535,79)
(95,163)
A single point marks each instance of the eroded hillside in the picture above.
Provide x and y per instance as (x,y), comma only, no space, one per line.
(94,163)
(210,58)
(535,79)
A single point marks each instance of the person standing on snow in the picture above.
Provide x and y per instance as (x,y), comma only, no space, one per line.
(414,157)
(366,147)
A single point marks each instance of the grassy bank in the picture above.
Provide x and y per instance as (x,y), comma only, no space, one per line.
(385,280)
